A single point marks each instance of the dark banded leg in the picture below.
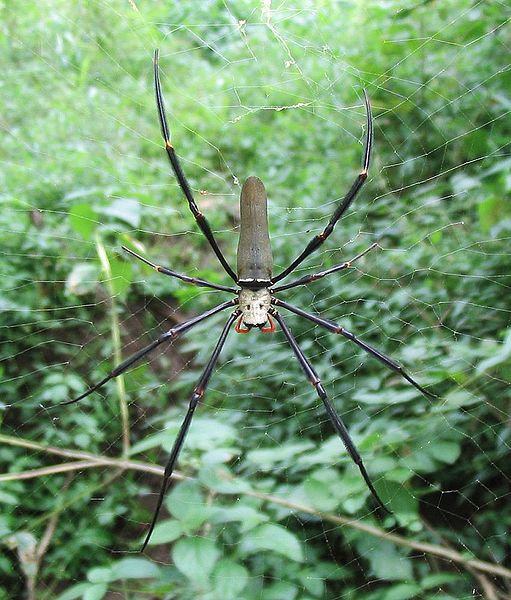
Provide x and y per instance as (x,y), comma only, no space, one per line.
(171,333)
(186,278)
(197,394)
(315,276)
(335,419)
(316,241)
(180,176)
(333,327)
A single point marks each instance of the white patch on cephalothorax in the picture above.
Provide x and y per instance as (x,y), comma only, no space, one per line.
(254,306)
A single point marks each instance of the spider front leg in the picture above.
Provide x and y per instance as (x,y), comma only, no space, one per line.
(185,278)
(197,394)
(316,241)
(315,276)
(335,419)
(334,328)
(180,176)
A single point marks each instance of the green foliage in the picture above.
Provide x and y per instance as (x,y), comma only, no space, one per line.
(275,94)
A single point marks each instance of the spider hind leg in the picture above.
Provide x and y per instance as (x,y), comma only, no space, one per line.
(335,419)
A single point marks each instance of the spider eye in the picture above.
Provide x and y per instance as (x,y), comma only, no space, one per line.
(247,307)
(260,306)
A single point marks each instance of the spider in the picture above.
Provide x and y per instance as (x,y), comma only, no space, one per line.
(255,303)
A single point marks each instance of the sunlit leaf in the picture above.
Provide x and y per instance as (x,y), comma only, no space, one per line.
(385,560)
(83,279)
(273,538)
(134,568)
(195,557)
(229,578)
(83,219)
(187,503)
(166,531)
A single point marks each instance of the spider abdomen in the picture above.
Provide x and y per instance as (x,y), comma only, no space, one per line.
(255,259)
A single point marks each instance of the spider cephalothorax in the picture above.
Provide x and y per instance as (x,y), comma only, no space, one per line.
(254,301)
(254,306)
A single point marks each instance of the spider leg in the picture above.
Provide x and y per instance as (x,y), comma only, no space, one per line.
(197,394)
(186,278)
(315,276)
(335,328)
(335,419)
(180,176)
(316,241)
(171,333)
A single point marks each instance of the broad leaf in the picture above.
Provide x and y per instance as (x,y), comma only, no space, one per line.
(273,538)
(195,557)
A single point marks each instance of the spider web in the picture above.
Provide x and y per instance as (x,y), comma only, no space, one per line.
(271,506)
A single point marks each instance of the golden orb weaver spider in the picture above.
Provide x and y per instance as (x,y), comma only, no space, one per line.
(255,302)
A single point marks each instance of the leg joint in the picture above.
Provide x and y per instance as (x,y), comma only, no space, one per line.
(319,388)
(198,392)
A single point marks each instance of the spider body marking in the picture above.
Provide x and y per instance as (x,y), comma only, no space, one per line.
(254,302)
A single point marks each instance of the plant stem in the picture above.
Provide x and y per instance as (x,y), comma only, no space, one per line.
(116,343)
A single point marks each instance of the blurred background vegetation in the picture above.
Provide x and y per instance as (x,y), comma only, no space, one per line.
(271,508)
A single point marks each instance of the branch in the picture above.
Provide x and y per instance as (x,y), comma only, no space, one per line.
(87,460)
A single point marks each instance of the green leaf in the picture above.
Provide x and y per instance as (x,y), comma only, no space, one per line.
(96,591)
(121,274)
(436,237)
(229,578)
(399,498)
(439,579)
(220,455)
(247,516)
(456,399)
(328,453)
(118,273)
(166,531)
(99,575)
(403,591)
(125,209)
(388,396)
(8,498)
(282,590)
(83,279)
(502,355)
(219,478)
(74,592)
(312,582)
(83,219)
(445,451)
(492,211)
(320,494)
(331,571)
(385,560)
(206,434)
(273,538)
(195,557)
(134,568)
(186,502)
(151,441)
(266,458)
